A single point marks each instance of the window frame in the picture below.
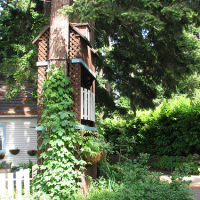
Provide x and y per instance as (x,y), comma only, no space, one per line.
(3,126)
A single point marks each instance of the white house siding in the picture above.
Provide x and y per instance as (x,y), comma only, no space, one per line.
(21,134)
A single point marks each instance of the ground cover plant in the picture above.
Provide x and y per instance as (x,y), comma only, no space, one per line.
(129,179)
(132,180)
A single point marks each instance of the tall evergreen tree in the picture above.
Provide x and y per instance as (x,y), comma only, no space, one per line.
(20,22)
(153,42)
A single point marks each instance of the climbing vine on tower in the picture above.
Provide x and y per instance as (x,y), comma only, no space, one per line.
(61,171)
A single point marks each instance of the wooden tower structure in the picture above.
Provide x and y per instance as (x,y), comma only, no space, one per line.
(70,45)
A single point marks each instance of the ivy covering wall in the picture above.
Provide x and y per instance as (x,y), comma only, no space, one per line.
(63,146)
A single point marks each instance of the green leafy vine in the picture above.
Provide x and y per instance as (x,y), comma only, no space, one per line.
(62,167)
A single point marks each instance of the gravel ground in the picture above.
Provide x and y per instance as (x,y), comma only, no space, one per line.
(196,192)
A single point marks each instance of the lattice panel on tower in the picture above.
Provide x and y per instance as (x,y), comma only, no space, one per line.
(42,75)
(74,45)
(41,79)
(43,47)
(75,77)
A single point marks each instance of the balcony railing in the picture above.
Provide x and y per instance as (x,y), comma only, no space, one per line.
(87,105)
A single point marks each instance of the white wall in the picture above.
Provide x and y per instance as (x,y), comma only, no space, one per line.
(21,134)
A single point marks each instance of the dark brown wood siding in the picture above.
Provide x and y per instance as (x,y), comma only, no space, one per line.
(22,104)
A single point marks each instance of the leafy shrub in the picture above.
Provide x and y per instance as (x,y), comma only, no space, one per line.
(116,132)
(164,163)
(178,163)
(5,165)
(97,143)
(131,180)
(171,129)
(28,165)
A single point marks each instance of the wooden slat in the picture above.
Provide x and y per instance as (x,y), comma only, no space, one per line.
(2,185)
(93,107)
(82,107)
(89,105)
(10,185)
(19,175)
(26,181)
(85,103)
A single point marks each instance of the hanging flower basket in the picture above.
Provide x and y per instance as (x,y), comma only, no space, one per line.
(14,151)
(92,159)
(2,155)
(32,152)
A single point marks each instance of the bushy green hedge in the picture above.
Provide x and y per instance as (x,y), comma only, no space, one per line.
(171,129)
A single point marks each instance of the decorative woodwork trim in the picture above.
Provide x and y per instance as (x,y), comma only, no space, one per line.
(42,63)
(79,60)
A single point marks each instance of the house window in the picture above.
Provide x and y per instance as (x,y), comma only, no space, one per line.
(2,138)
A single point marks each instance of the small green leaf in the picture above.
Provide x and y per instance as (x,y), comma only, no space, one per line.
(46,141)
(65,123)
(63,114)
(59,142)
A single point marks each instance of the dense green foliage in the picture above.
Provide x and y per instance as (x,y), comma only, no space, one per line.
(171,129)
(63,145)
(5,165)
(20,22)
(145,44)
(132,180)
(59,177)
(62,167)
(170,163)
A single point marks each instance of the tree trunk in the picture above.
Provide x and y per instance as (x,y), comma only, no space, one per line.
(59,35)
